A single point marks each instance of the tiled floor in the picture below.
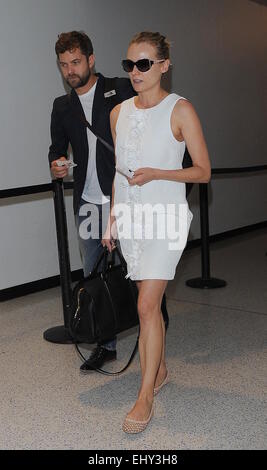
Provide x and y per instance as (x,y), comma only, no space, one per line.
(216,352)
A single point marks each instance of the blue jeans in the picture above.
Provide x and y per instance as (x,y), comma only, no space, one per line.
(91,222)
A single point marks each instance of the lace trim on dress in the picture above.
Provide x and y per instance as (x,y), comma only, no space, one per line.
(133,157)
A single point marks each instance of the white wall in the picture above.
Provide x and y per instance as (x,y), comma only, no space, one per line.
(219,63)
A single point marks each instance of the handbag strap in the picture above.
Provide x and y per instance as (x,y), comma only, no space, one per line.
(122,260)
(105,254)
(105,372)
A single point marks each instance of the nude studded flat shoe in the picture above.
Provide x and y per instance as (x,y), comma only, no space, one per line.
(165,381)
(131,426)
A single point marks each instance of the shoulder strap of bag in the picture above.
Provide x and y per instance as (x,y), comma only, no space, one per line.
(84,121)
(103,141)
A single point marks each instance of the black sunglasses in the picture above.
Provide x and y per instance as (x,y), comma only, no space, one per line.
(143,65)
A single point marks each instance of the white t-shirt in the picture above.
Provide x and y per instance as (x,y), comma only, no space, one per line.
(91,191)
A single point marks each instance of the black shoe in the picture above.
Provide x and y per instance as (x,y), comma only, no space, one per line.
(99,356)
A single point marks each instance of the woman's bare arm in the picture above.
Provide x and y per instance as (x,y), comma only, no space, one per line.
(185,126)
(111,229)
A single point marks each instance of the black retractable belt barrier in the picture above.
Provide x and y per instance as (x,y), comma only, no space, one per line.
(60,334)
(205,282)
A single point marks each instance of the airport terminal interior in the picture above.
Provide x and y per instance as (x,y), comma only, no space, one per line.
(216,344)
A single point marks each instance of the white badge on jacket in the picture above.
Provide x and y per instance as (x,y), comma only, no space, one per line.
(109,93)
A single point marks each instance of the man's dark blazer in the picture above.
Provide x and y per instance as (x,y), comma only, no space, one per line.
(66,127)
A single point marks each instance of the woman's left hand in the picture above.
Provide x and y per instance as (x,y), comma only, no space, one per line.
(142,176)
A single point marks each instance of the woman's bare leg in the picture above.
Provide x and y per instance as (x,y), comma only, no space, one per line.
(140,345)
(162,372)
(150,344)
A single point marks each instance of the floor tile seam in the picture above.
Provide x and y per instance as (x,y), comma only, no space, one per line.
(217,306)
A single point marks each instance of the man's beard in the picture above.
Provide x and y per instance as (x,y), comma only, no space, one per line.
(79,80)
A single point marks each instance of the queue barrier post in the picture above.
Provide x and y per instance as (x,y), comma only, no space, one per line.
(205,281)
(60,334)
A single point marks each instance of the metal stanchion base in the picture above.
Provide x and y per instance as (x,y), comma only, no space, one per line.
(201,283)
(58,334)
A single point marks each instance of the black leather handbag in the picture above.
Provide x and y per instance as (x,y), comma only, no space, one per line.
(104,304)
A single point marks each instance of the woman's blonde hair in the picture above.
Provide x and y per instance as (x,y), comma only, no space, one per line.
(157,40)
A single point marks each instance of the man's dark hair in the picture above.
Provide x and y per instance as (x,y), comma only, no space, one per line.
(73,40)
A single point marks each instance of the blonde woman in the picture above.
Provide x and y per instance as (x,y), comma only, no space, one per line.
(150,132)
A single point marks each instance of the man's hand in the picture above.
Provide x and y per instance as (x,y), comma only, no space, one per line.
(59,171)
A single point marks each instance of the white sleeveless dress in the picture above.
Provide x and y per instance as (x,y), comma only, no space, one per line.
(152,220)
